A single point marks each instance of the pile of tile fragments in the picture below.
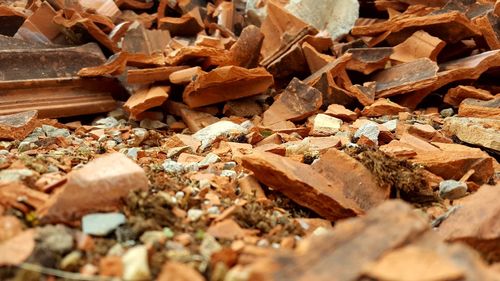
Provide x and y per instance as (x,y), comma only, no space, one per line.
(249,140)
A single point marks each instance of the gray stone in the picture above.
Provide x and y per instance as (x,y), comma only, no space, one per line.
(53,132)
(452,189)
(56,238)
(170,166)
(105,123)
(194,214)
(152,124)
(391,125)
(447,112)
(369,130)
(229,173)
(101,224)
(210,158)
(12,175)
(208,134)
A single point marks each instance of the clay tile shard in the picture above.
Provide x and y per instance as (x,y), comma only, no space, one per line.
(145,99)
(189,24)
(413,263)
(11,193)
(315,60)
(383,107)
(17,249)
(479,108)
(405,77)
(106,8)
(356,242)
(212,56)
(339,111)
(297,102)
(332,68)
(302,184)
(367,60)
(246,50)
(18,126)
(150,75)
(226,83)
(475,222)
(489,26)
(139,40)
(176,271)
(100,186)
(419,45)
(185,76)
(452,161)
(358,183)
(115,65)
(11,19)
(456,95)
(39,27)
(451,27)
(290,63)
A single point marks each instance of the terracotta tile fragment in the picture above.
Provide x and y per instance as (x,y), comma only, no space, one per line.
(189,24)
(226,83)
(114,66)
(228,229)
(111,266)
(212,56)
(99,186)
(106,8)
(16,194)
(10,226)
(315,60)
(382,107)
(18,248)
(18,126)
(302,184)
(150,75)
(397,149)
(185,76)
(197,120)
(339,111)
(290,63)
(405,77)
(368,60)
(475,222)
(246,50)
(385,228)
(452,161)
(145,99)
(488,24)
(456,95)
(297,102)
(419,45)
(39,26)
(479,108)
(176,271)
(412,263)
(358,183)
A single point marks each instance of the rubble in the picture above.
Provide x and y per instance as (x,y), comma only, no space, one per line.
(249,140)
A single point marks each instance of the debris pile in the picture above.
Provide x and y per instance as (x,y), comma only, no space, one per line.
(249,140)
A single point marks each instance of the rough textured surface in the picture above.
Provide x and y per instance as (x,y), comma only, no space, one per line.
(98,186)
(297,102)
(302,184)
(18,126)
(477,131)
(480,211)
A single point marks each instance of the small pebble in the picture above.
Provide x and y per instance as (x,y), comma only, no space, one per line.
(101,224)
(194,214)
(452,189)
(447,112)
(135,264)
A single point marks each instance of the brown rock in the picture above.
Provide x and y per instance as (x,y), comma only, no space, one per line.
(18,248)
(145,99)
(176,271)
(358,182)
(475,222)
(226,83)
(297,102)
(419,45)
(100,186)
(302,184)
(382,107)
(339,111)
(480,109)
(18,126)
(405,77)
(456,95)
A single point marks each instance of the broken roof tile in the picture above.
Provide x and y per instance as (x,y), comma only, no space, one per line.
(456,95)
(226,83)
(419,45)
(18,126)
(145,99)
